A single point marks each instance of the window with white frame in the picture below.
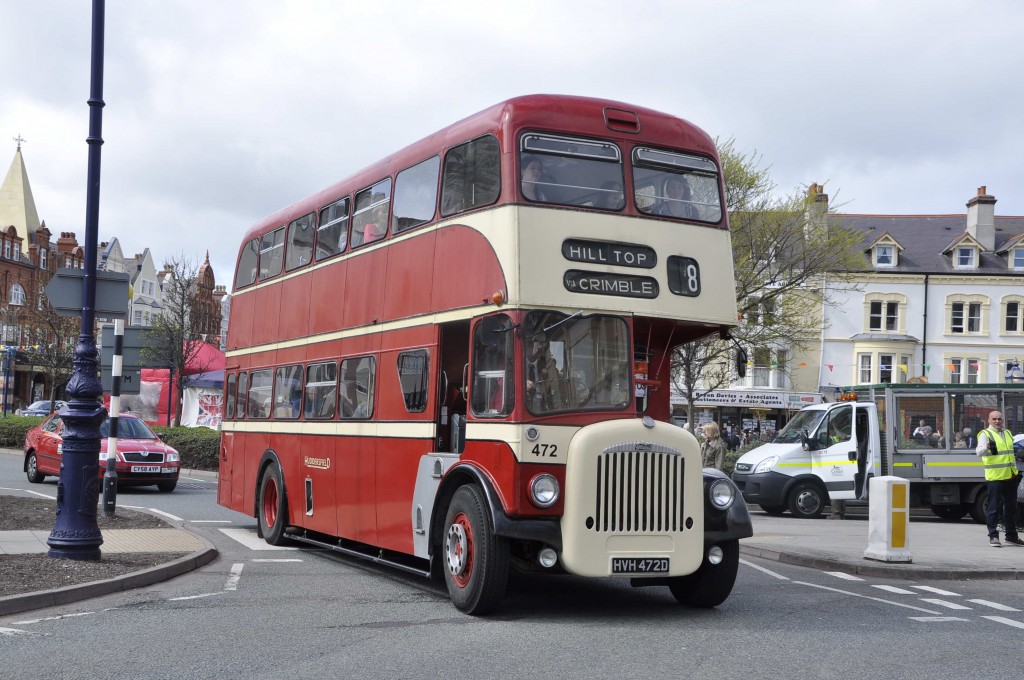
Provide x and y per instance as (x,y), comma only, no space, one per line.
(967,315)
(904,368)
(965,257)
(1017,258)
(885,368)
(42,259)
(7,249)
(885,256)
(964,370)
(17,251)
(1013,314)
(883,315)
(17,295)
(864,363)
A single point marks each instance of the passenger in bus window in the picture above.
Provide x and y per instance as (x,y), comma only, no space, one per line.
(533,178)
(377,227)
(610,197)
(677,199)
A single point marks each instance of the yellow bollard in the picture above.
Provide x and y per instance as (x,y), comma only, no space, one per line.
(889,520)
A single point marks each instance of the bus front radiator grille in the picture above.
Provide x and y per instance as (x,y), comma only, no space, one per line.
(639,489)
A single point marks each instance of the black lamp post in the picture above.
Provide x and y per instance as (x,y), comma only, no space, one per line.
(1014,374)
(75,534)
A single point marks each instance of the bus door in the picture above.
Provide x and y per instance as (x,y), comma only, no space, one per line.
(834,458)
(453,350)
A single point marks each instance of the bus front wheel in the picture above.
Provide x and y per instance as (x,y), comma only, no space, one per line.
(271,509)
(711,584)
(476,562)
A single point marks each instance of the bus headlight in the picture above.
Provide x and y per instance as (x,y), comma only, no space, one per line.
(721,494)
(544,490)
(766,465)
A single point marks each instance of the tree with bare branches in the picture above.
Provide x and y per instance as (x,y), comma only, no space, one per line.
(175,339)
(782,249)
(50,344)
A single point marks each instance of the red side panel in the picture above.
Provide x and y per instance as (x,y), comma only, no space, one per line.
(267,306)
(408,293)
(364,292)
(356,494)
(327,292)
(241,320)
(467,270)
(317,463)
(294,318)
(243,491)
(397,464)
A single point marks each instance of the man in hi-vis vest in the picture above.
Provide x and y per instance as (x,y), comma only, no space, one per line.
(995,446)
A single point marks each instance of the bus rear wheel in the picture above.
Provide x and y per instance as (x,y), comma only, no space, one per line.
(476,562)
(271,508)
(711,584)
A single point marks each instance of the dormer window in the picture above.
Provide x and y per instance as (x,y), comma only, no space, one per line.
(1017,258)
(885,256)
(965,257)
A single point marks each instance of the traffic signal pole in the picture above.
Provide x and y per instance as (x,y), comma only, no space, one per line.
(75,534)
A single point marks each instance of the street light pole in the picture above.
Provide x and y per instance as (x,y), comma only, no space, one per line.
(75,534)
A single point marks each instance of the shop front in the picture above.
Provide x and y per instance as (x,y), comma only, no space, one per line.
(761,412)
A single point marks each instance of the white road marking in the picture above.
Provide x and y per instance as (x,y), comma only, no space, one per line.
(767,571)
(248,538)
(210,521)
(195,597)
(994,605)
(34,493)
(867,597)
(167,514)
(236,573)
(53,618)
(133,507)
(894,589)
(943,603)
(937,591)
(847,577)
(936,619)
(11,632)
(295,560)
(1002,619)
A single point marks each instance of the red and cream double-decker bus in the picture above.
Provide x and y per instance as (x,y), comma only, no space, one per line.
(456,361)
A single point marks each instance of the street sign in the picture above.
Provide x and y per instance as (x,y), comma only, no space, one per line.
(131,349)
(64,291)
(131,381)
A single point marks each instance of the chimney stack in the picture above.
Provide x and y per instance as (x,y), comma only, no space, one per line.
(817,204)
(981,219)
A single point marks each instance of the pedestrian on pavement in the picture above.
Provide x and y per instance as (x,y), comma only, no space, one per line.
(995,446)
(713,450)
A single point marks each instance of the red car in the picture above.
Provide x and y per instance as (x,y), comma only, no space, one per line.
(142,458)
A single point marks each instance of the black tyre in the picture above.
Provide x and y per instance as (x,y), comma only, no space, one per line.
(32,469)
(949,513)
(476,562)
(774,509)
(978,509)
(710,585)
(167,487)
(806,500)
(271,506)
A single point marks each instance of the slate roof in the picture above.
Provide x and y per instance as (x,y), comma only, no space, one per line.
(924,237)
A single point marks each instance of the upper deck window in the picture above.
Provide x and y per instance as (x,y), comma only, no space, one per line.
(571,172)
(416,194)
(300,242)
(370,220)
(472,175)
(248,264)
(271,253)
(332,234)
(676,185)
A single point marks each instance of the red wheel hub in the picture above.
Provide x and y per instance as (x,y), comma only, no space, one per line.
(459,549)
(270,502)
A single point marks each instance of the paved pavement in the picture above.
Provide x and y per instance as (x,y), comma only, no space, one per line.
(940,550)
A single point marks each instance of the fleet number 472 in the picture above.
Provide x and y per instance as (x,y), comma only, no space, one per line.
(545,450)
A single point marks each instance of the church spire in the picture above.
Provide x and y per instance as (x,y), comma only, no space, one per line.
(17,206)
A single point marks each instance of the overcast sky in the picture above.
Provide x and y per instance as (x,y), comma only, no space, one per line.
(219,112)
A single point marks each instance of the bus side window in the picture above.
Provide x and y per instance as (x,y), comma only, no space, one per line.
(357,380)
(492,386)
(332,234)
(413,374)
(230,393)
(472,175)
(300,243)
(260,386)
(243,394)
(271,253)
(321,391)
(288,392)
(248,263)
